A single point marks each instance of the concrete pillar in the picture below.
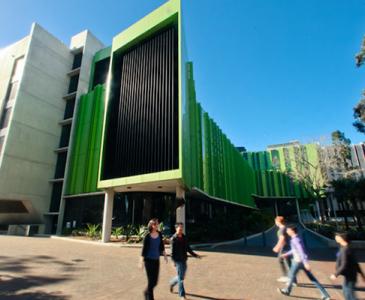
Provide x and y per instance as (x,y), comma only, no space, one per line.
(61,215)
(298,210)
(107,216)
(180,210)
(276,208)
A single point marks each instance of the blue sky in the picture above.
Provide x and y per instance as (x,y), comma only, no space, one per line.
(267,71)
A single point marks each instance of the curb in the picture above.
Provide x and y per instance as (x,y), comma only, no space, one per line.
(99,243)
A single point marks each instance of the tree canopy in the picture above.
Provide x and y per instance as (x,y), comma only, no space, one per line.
(359,109)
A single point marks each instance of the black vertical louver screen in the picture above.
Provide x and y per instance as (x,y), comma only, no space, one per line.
(142,126)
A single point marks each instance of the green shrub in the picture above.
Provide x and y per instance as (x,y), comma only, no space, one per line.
(117,231)
(93,231)
(142,232)
(128,231)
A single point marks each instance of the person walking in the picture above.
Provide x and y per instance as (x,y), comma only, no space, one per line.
(179,248)
(299,262)
(153,248)
(282,246)
(347,266)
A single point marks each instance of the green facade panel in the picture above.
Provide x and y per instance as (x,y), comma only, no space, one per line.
(85,153)
(272,168)
(211,163)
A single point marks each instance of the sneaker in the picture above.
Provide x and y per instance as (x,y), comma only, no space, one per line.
(283,279)
(283,292)
(295,284)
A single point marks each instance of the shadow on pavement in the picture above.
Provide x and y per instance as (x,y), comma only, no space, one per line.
(210,298)
(9,288)
(328,286)
(15,286)
(35,296)
(303,297)
(314,254)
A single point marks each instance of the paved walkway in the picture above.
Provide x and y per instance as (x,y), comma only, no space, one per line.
(43,268)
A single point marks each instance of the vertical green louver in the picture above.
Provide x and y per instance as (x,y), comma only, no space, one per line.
(272,166)
(210,162)
(85,153)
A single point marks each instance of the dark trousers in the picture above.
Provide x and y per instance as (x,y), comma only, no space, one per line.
(152,269)
(348,289)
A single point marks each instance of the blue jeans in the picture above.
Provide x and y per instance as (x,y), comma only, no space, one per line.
(179,279)
(348,288)
(294,269)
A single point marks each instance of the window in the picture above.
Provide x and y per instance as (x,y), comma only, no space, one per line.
(101,71)
(74,81)
(69,110)
(18,69)
(77,61)
(2,138)
(5,117)
(56,197)
(61,164)
(13,87)
(65,135)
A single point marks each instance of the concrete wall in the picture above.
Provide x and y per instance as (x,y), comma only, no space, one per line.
(33,133)
(8,56)
(90,46)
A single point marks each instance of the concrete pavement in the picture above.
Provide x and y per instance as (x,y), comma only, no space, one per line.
(43,268)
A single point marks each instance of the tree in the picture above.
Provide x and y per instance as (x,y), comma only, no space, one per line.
(359,115)
(359,109)
(310,175)
(350,192)
(360,57)
(341,158)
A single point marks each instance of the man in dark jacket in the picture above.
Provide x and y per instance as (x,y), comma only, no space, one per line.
(179,248)
(347,266)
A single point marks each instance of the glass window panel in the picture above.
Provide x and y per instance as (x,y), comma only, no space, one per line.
(77,61)
(13,87)
(18,69)
(2,138)
(74,81)
(4,122)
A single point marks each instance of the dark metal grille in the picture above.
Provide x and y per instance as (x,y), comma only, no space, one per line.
(143,114)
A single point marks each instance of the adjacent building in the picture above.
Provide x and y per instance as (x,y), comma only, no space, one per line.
(41,80)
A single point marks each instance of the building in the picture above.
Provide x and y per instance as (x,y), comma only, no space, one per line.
(158,149)
(119,134)
(40,81)
(116,135)
(284,174)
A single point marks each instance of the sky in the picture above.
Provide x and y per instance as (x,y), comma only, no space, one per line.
(267,72)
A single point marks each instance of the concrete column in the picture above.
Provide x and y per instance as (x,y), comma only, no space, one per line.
(61,215)
(276,208)
(107,216)
(298,210)
(180,211)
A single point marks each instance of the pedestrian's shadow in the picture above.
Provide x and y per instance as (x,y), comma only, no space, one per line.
(328,286)
(211,298)
(303,297)
(38,295)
